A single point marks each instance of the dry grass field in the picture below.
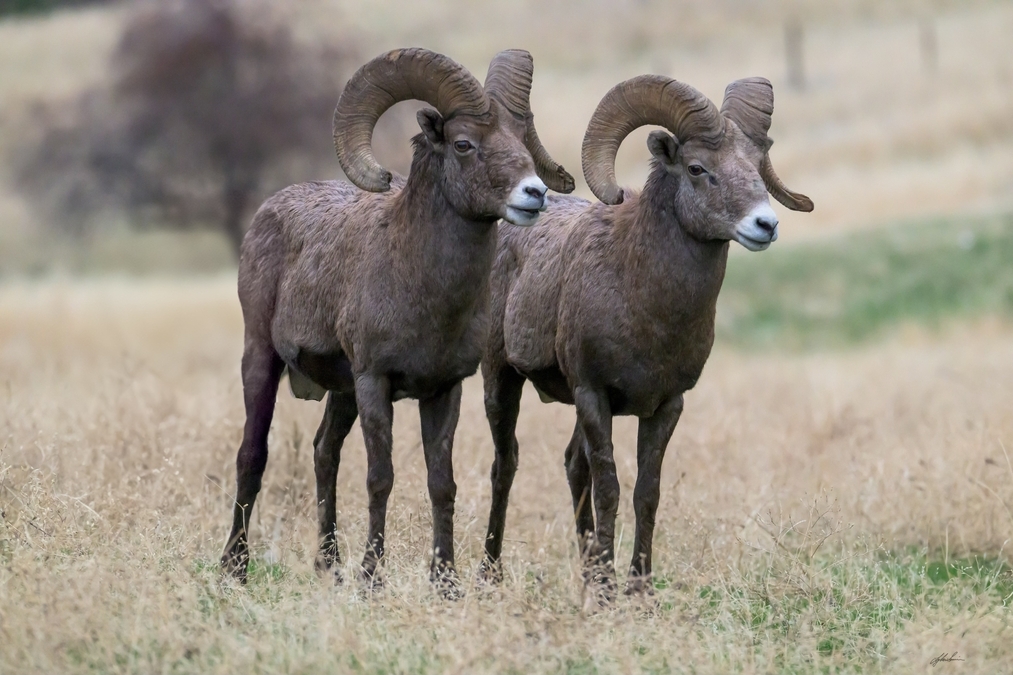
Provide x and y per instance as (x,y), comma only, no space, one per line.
(822,510)
(838,496)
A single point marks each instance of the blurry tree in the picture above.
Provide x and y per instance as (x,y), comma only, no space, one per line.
(212,104)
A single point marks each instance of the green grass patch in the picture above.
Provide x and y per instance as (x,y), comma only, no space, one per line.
(851,288)
(844,610)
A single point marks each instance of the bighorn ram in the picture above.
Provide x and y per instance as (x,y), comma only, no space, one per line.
(376,294)
(610,307)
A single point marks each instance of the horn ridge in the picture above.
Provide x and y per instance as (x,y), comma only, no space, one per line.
(749,103)
(508,82)
(398,75)
(642,100)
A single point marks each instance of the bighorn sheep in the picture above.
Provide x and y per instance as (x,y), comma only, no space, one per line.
(610,307)
(377,297)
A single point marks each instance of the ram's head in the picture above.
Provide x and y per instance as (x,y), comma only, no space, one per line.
(714,165)
(490,162)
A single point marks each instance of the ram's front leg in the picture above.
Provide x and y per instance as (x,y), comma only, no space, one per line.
(439,416)
(652,440)
(376,415)
(594,415)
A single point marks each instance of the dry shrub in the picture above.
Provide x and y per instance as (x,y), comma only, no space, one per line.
(211,105)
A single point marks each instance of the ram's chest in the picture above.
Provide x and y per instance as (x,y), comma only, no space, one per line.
(422,351)
(420,373)
(639,360)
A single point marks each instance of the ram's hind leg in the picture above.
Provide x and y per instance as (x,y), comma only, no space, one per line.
(262,369)
(578,475)
(339,416)
(652,440)
(503,388)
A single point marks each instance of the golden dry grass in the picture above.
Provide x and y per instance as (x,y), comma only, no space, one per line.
(121,413)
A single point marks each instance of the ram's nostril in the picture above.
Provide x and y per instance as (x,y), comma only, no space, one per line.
(535,192)
(766,224)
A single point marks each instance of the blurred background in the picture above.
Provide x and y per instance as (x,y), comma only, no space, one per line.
(141,137)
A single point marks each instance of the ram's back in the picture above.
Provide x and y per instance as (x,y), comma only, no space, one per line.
(302,253)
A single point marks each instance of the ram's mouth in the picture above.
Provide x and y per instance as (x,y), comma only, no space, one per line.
(753,244)
(519,216)
(533,213)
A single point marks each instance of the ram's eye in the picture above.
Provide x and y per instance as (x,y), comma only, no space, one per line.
(462,146)
(696,170)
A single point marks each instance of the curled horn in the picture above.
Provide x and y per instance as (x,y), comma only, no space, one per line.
(398,75)
(509,83)
(750,103)
(647,99)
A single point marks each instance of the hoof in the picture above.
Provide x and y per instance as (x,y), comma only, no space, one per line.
(490,573)
(327,568)
(600,587)
(328,563)
(637,586)
(234,566)
(640,591)
(599,598)
(371,580)
(604,593)
(446,583)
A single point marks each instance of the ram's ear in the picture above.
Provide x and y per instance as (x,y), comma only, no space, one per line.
(664,147)
(431,123)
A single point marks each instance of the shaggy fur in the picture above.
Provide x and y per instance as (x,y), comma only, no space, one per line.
(611,309)
(375,297)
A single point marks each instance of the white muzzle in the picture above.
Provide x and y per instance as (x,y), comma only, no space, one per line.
(758,230)
(526,201)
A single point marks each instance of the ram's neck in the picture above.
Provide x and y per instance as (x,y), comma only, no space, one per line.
(679,277)
(447,257)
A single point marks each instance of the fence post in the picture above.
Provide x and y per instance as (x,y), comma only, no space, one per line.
(793,43)
(929,43)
